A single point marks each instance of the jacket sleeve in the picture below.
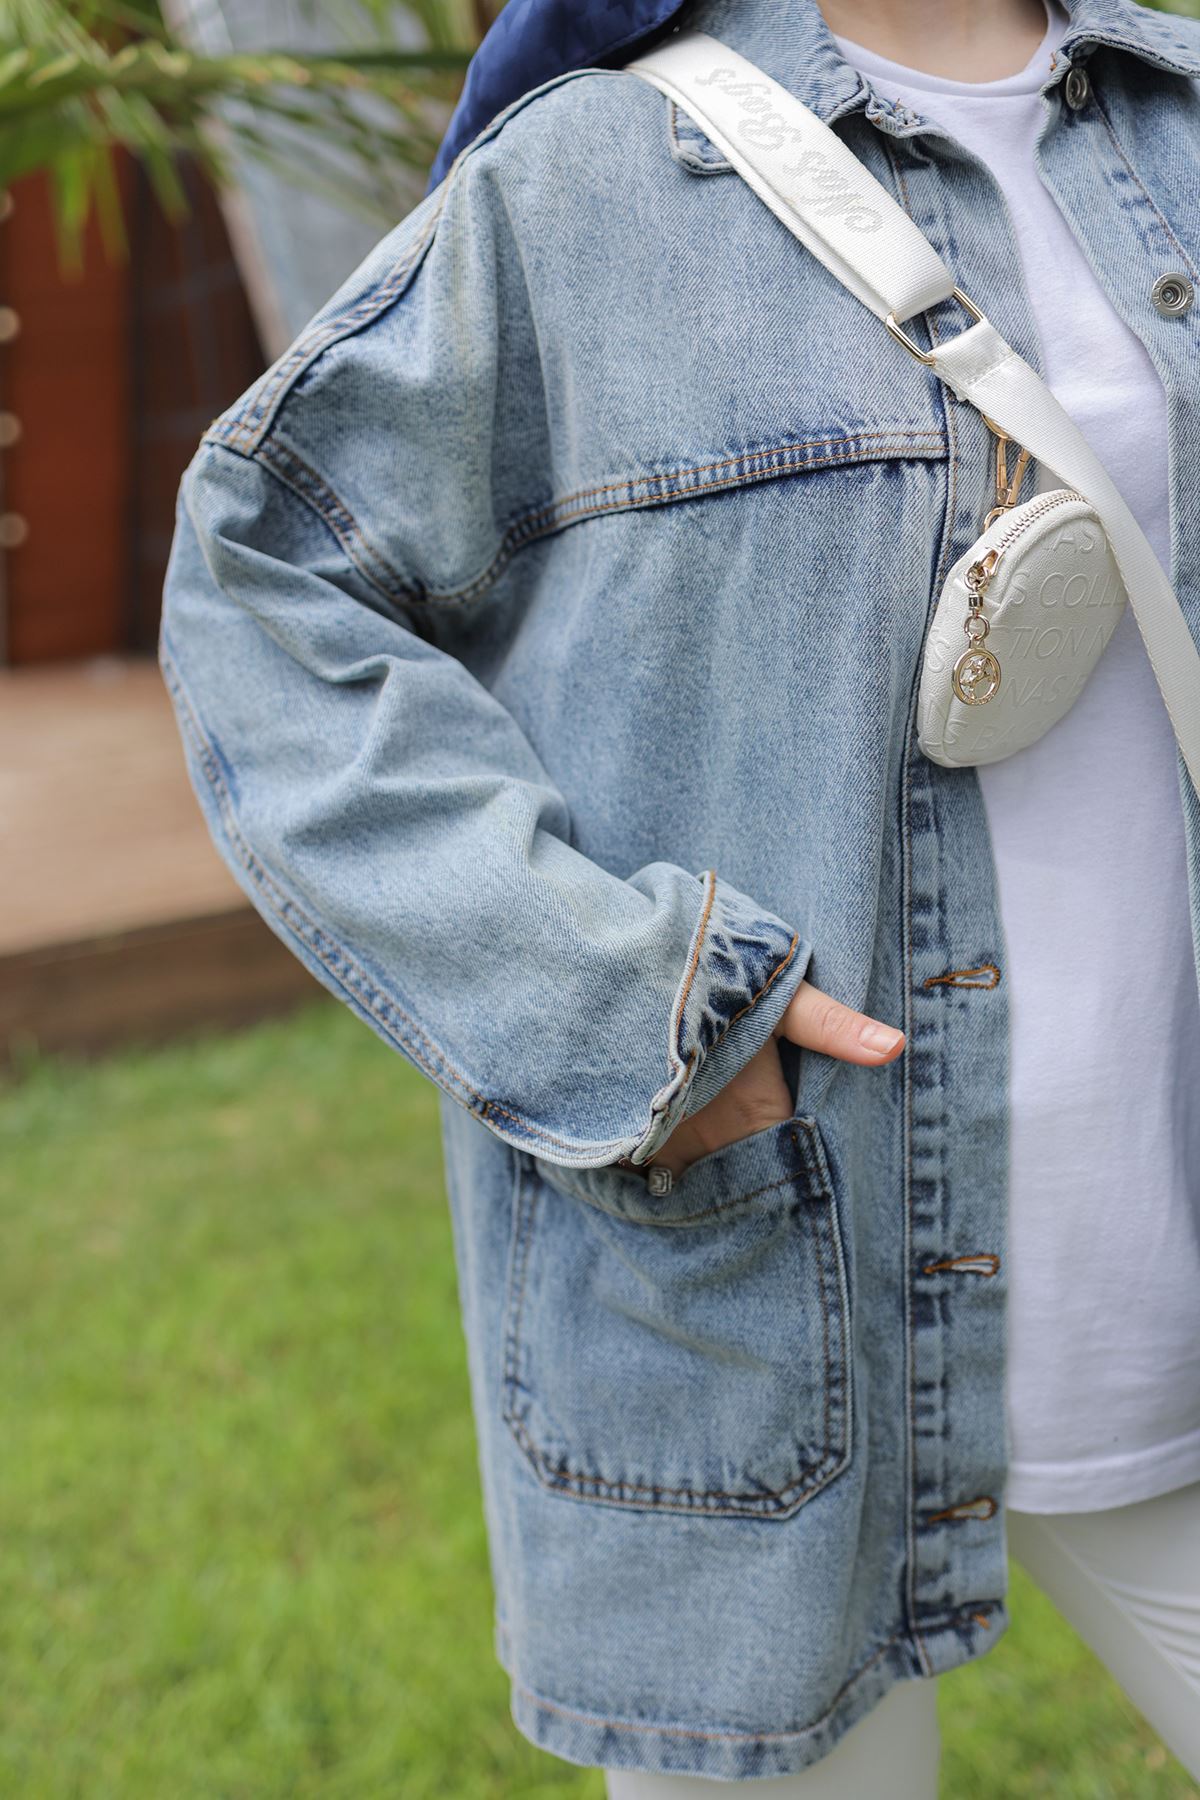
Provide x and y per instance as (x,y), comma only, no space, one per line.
(384,812)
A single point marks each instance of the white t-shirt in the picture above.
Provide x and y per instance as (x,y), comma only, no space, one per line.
(1087,832)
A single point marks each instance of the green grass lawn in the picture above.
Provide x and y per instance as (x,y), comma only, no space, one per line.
(241,1547)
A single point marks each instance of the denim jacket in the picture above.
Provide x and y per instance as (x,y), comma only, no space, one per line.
(543,631)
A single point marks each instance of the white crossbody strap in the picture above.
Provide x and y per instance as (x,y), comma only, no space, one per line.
(834,205)
(804,172)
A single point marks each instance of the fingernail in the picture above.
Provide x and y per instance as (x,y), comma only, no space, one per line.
(879,1037)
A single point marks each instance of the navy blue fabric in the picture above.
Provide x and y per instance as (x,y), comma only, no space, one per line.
(532,41)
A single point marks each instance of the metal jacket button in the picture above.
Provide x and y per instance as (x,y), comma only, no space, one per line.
(659,1179)
(1172,294)
(1077,89)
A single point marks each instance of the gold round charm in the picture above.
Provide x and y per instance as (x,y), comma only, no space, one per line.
(976,676)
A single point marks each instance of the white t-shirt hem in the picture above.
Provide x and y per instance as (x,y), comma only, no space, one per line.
(1099,1483)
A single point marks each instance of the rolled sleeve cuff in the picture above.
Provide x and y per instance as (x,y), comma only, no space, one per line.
(743,967)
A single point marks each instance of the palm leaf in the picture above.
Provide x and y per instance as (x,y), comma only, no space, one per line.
(79,81)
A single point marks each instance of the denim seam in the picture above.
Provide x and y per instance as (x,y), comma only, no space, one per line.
(780,966)
(944,1622)
(526,1209)
(1148,197)
(1183,62)
(685,1731)
(331,954)
(681,1004)
(812,1151)
(312,488)
(710,879)
(943,561)
(687,483)
(340,963)
(815,1173)
(760,1503)
(676,1063)
(691,159)
(826,1347)
(286,909)
(249,427)
(825,1239)
(697,1218)
(492,130)
(291,469)
(907,960)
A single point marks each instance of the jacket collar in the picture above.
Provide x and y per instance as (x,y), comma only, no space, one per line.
(790,40)
(534,41)
(1158,38)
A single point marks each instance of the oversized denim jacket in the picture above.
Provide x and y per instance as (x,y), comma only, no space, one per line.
(543,630)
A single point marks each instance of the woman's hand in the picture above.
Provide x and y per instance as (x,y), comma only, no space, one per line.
(759,1095)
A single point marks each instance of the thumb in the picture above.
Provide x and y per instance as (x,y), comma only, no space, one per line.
(816,1021)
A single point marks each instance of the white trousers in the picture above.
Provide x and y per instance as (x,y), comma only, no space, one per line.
(1126,1578)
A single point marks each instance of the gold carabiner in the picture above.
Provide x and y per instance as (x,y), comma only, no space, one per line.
(1007,487)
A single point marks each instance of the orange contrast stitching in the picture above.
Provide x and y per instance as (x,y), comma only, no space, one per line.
(729,462)
(709,875)
(824,1239)
(963,977)
(987,1263)
(572,507)
(769,982)
(966,1509)
(952,448)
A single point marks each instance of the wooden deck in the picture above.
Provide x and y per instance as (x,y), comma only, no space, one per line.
(118,920)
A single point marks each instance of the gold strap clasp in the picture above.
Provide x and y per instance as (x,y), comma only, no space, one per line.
(1007,486)
(902,337)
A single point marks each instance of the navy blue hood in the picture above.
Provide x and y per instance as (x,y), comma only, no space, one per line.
(532,41)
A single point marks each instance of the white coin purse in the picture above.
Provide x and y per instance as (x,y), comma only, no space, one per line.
(1022,620)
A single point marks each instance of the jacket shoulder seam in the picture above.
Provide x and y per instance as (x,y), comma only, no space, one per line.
(291,470)
(495,126)
(631,493)
(244,430)
(690,481)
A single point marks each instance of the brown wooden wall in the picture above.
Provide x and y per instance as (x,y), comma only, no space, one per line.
(64,379)
(107,380)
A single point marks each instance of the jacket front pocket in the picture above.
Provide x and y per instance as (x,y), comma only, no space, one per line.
(685,1354)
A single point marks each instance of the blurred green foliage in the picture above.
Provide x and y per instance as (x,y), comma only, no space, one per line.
(242,1552)
(80,77)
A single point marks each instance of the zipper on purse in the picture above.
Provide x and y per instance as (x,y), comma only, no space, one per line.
(976,675)
(1037,509)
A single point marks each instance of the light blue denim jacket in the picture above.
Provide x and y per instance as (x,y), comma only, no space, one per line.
(543,630)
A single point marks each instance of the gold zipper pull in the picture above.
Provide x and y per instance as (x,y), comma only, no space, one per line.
(976,675)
